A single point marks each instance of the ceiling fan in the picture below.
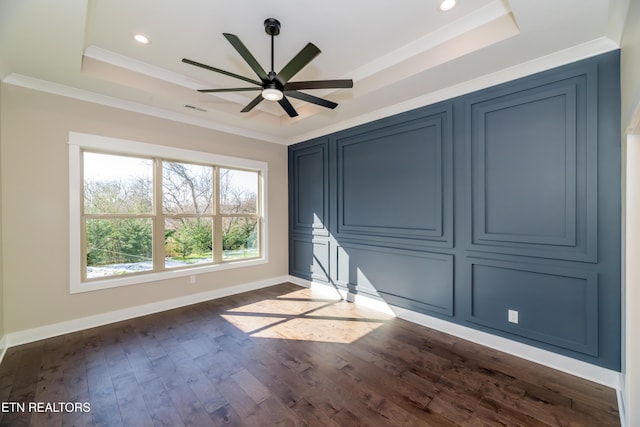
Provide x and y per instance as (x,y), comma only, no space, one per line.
(276,86)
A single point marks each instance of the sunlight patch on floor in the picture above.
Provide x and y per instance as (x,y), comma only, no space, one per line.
(325,330)
(306,316)
(278,306)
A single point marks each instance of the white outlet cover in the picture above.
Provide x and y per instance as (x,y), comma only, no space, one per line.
(513,316)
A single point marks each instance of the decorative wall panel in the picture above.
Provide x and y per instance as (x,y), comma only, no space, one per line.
(555,305)
(533,181)
(409,279)
(310,189)
(396,181)
(309,258)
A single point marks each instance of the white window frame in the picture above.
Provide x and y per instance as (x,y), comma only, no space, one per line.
(81,141)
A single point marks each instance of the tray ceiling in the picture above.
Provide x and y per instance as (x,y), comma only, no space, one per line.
(399,57)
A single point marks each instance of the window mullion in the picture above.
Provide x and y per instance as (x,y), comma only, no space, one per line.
(260,215)
(217,218)
(158,218)
(83,224)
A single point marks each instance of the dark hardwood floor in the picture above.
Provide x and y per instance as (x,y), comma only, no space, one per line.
(285,356)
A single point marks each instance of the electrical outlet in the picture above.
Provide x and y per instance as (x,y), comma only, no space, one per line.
(192,279)
(513,316)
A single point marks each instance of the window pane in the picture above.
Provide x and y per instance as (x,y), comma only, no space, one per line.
(187,188)
(187,241)
(239,238)
(118,246)
(238,191)
(117,184)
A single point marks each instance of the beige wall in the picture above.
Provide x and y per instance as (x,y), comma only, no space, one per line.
(630,97)
(630,64)
(35,199)
(1,270)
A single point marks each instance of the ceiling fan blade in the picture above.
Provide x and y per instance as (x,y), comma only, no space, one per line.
(286,105)
(218,70)
(311,98)
(257,100)
(235,89)
(246,55)
(319,84)
(303,57)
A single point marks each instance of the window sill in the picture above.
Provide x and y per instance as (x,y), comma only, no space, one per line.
(134,279)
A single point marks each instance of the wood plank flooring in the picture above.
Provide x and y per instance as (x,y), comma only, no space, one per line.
(283,356)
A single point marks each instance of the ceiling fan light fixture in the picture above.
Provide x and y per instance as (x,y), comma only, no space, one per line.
(272,94)
(446,5)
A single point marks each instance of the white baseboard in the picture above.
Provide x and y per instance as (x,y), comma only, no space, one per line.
(562,363)
(22,337)
(342,294)
(621,407)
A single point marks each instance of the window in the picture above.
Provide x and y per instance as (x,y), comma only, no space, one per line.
(118,214)
(146,212)
(239,214)
(188,213)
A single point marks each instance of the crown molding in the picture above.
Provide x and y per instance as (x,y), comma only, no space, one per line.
(566,56)
(109,101)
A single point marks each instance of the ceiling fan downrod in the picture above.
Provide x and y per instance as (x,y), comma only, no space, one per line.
(272,27)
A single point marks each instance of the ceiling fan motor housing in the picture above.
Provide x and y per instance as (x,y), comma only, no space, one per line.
(272,26)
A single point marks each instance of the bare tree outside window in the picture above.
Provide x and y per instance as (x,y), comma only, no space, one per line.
(187,202)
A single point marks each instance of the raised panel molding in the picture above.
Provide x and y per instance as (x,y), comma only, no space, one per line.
(555,305)
(552,159)
(310,183)
(421,281)
(309,258)
(532,155)
(394,182)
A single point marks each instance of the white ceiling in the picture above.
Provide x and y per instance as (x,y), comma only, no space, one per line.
(401,54)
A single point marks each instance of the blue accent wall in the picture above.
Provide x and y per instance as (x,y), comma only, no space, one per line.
(503,199)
